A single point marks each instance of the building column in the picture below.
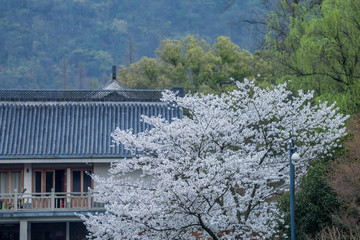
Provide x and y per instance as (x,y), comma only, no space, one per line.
(23,229)
(27,183)
(29,230)
(68,186)
(67,230)
(27,177)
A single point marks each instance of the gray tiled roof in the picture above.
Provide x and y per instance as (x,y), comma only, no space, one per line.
(48,129)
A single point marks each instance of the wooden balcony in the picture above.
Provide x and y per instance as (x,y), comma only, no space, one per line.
(52,201)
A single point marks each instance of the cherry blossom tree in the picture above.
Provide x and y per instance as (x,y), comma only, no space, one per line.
(217,171)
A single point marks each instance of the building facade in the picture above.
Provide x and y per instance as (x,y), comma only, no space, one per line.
(50,144)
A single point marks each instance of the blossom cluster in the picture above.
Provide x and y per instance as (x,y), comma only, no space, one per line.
(216,170)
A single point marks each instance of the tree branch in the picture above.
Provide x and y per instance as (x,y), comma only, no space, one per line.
(208,230)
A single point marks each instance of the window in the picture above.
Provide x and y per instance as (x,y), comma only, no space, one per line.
(45,231)
(87,182)
(15,181)
(80,184)
(76,181)
(81,180)
(4,182)
(11,180)
(78,231)
(47,179)
(37,181)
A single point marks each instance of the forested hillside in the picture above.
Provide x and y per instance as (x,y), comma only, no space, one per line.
(74,43)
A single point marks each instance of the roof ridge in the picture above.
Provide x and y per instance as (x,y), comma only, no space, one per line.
(141,95)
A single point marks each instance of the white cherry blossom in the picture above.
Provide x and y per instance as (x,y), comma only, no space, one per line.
(217,170)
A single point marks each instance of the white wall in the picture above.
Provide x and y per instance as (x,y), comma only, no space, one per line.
(101,169)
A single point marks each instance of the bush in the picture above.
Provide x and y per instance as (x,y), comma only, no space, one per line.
(314,203)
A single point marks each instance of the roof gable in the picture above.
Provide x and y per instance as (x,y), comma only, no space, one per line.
(114,85)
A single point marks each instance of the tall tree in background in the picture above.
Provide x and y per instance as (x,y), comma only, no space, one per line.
(130,50)
(321,50)
(270,16)
(216,171)
(195,65)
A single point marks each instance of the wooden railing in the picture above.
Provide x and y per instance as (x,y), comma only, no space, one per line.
(51,201)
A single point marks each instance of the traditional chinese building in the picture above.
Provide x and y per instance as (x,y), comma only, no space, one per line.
(50,143)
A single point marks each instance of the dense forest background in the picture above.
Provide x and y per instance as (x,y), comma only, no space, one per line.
(73,43)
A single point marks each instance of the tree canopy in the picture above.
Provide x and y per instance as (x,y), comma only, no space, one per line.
(321,50)
(215,171)
(195,65)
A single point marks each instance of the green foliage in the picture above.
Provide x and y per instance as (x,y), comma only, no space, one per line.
(196,66)
(314,203)
(321,50)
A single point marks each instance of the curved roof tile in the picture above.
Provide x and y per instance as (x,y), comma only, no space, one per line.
(71,129)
